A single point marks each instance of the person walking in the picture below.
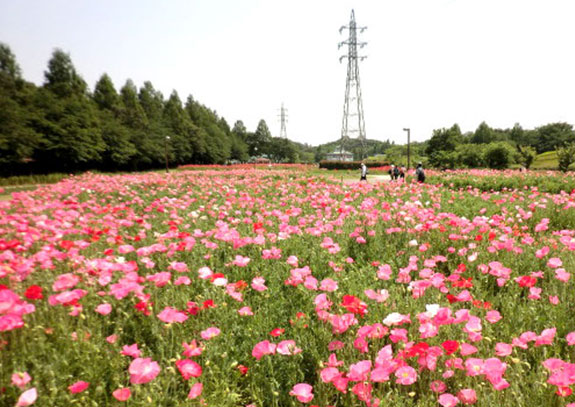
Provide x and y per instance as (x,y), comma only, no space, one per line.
(420,173)
(363,172)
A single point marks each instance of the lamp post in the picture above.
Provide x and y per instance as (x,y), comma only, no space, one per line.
(408,140)
(255,156)
(166,153)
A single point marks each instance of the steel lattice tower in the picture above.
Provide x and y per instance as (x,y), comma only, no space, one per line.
(283,119)
(353,124)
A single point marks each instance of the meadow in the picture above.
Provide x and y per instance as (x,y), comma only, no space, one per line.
(257,287)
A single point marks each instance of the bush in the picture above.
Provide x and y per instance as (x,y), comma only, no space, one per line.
(349,165)
(566,156)
(498,155)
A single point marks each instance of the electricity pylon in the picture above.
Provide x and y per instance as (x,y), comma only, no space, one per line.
(283,119)
(353,124)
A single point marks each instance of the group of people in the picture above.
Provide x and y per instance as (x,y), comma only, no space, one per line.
(396,172)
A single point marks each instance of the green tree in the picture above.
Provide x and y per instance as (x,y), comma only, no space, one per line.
(282,150)
(179,125)
(61,76)
(498,155)
(445,140)
(470,155)
(527,155)
(119,150)
(69,122)
(483,135)
(150,145)
(258,142)
(18,140)
(566,156)
(553,135)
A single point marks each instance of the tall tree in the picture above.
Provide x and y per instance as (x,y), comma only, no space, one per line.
(73,138)
(119,149)
(180,130)
(18,140)
(443,140)
(259,141)
(483,135)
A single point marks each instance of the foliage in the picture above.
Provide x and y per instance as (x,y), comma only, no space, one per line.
(527,155)
(566,156)
(498,155)
(350,165)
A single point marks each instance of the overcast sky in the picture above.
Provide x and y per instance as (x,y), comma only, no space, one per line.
(430,63)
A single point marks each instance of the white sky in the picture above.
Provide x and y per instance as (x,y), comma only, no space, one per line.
(431,63)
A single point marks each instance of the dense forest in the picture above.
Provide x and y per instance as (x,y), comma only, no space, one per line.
(63,126)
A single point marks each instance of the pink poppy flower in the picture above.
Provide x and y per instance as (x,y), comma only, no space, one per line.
(143,370)
(303,392)
(241,261)
(188,368)
(210,333)
(288,348)
(78,387)
(437,386)
(546,337)
(474,366)
(335,345)
(467,396)
(21,379)
(379,296)
(554,262)
(183,280)
(467,349)
(358,372)
(362,391)
(493,316)
(503,349)
(131,350)
(405,375)
(263,348)
(104,309)
(570,338)
(196,391)
(562,275)
(328,374)
(328,285)
(112,338)
(245,311)
(122,394)
(27,398)
(170,315)
(192,349)
(259,284)
(448,400)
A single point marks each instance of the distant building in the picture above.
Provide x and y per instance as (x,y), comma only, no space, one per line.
(338,155)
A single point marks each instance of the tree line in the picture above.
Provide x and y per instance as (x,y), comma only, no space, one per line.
(63,126)
(498,148)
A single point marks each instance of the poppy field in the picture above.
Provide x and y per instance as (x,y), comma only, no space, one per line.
(256,287)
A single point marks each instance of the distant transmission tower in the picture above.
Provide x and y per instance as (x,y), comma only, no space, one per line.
(283,119)
(352,124)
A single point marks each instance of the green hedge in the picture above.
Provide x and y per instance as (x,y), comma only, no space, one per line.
(349,165)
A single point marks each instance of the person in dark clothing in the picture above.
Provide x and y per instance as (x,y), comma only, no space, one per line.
(420,173)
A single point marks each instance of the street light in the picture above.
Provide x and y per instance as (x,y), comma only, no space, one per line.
(408,137)
(166,153)
(255,156)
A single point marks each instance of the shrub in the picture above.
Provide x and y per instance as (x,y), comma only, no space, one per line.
(349,165)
